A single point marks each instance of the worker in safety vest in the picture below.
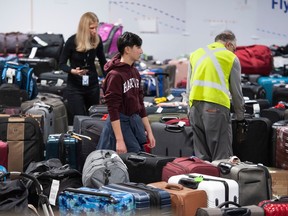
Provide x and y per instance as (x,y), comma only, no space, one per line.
(215,78)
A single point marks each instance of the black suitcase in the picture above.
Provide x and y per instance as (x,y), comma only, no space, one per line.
(166,109)
(52,76)
(274,114)
(144,167)
(172,140)
(279,93)
(40,65)
(253,144)
(253,90)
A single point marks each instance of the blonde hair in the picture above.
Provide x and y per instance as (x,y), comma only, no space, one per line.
(84,40)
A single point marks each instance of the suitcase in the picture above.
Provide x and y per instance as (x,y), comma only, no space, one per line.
(90,201)
(166,109)
(52,88)
(218,189)
(60,112)
(52,76)
(275,207)
(172,140)
(185,165)
(254,180)
(144,167)
(236,209)
(280,93)
(64,147)
(40,108)
(184,201)
(253,90)
(274,114)
(246,143)
(279,144)
(24,138)
(142,199)
(164,117)
(268,82)
(40,65)
(3,154)
(12,95)
(160,200)
(254,107)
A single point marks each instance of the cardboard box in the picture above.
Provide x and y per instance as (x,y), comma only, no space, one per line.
(279,181)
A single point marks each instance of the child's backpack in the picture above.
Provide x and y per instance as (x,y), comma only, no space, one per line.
(21,75)
(104,167)
(109,34)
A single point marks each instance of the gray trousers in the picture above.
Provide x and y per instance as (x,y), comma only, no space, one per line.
(212,130)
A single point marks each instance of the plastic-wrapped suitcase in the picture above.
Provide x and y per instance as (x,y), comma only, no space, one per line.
(160,200)
(25,140)
(184,201)
(268,82)
(247,142)
(218,189)
(275,207)
(255,183)
(90,201)
(144,167)
(280,144)
(185,165)
(142,198)
(234,209)
(172,140)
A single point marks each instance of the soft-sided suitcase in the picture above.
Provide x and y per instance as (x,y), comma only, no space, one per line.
(275,207)
(3,153)
(280,93)
(274,114)
(185,165)
(234,209)
(253,90)
(65,147)
(280,144)
(172,140)
(142,198)
(160,200)
(144,167)
(247,142)
(166,109)
(268,83)
(52,76)
(164,117)
(90,201)
(25,140)
(254,180)
(60,112)
(218,189)
(184,201)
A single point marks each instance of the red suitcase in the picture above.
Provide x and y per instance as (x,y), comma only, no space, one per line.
(3,154)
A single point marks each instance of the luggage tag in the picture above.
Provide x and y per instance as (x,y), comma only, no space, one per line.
(85,80)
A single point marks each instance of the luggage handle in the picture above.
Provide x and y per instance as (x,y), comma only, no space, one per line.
(226,203)
(225,168)
(174,128)
(136,160)
(173,186)
(93,193)
(239,210)
(146,154)
(282,198)
(189,182)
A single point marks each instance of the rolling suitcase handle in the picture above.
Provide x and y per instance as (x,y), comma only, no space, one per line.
(234,211)
(174,128)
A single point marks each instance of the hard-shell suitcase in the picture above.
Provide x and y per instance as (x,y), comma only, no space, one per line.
(234,209)
(3,154)
(279,144)
(65,147)
(142,198)
(172,140)
(275,207)
(218,189)
(185,165)
(160,200)
(90,201)
(144,167)
(247,142)
(25,140)
(254,180)
(166,109)
(268,82)
(184,201)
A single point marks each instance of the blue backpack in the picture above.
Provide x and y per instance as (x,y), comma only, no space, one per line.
(21,75)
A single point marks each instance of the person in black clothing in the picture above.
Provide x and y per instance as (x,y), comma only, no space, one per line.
(78,60)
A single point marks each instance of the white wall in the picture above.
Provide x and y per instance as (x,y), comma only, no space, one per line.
(253,21)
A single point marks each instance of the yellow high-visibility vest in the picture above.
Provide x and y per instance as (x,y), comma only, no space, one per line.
(211,68)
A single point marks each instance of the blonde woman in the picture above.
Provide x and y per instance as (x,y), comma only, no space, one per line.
(77,59)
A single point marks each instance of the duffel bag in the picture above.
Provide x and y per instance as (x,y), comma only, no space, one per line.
(255,59)
(13,42)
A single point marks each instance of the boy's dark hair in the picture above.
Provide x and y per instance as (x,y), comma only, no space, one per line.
(128,39)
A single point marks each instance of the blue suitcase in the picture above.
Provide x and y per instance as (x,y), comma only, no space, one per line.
(142,199)
(268,82)
(90,201)
(64,147)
